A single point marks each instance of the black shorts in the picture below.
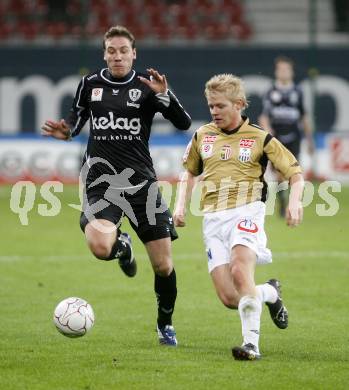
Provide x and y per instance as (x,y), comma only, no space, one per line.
(146,211)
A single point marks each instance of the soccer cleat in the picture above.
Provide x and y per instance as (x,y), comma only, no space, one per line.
(246,352)
(126,259)
(167,335)
(277,310)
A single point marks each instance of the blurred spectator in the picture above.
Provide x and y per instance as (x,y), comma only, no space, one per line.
(155,20)
(284,115)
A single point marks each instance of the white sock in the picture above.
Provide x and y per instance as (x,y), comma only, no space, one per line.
(250,309)
(267,293)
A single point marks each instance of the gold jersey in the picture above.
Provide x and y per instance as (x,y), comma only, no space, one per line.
(233,164)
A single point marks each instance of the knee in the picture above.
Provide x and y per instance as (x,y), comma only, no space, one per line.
(164,267)
(237,274)
(100,242)
(229,301)
(100,249)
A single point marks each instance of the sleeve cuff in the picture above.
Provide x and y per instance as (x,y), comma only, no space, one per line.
(164,98)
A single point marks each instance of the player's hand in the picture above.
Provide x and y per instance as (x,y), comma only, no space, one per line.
(59,130)
(294,214)
(157,82)
(179,218)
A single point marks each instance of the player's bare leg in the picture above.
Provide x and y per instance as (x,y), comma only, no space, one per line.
(106,244)
(242,269)
(223,283)
(235,287)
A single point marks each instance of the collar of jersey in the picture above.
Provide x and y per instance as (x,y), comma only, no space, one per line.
(229,132)
(123,80)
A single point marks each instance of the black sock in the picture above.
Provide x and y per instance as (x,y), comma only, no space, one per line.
(166,293)
(282,196)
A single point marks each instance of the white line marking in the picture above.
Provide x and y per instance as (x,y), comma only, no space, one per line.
(182,256)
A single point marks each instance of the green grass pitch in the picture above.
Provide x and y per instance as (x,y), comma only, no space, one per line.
(46,261)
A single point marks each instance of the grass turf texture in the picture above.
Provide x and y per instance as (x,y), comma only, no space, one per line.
(46,261)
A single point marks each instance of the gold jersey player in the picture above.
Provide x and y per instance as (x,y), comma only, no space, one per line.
(231,155)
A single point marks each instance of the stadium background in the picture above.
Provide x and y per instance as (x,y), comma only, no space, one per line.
(46,47)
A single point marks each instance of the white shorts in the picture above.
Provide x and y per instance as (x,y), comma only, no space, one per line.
(243,225)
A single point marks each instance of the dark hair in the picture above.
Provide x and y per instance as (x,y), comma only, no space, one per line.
(119,31)
(288,60)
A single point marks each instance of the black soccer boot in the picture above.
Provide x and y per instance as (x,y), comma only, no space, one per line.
(277,310)
(126,258)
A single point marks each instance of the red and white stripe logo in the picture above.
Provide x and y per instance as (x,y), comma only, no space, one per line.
(246,143)
(209,139)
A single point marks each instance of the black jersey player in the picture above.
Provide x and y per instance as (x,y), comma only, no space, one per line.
(284,114)
(118,174)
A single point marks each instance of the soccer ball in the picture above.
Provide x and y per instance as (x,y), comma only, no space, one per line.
(73,317)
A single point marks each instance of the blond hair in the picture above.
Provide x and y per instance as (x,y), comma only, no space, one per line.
(228,84)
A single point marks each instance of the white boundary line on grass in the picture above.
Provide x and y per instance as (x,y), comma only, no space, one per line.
(183,256)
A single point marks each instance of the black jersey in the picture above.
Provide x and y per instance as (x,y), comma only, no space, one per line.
(121,112)
(284,108)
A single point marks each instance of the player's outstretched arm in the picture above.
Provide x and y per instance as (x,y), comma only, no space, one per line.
(59,130)
(294,211)
(184,193)
(165,101)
